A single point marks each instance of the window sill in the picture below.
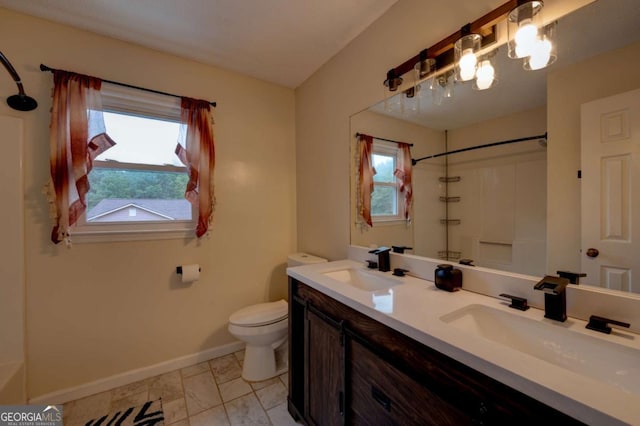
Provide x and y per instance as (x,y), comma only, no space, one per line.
(83,237)
(390,222)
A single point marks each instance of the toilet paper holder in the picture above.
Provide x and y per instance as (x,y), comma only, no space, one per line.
(179,270)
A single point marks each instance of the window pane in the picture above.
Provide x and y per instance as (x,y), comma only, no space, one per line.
(120,195)
(383,201)
(385,166)
(141,140)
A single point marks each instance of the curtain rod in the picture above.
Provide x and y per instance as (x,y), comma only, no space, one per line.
(382,139)
(471,148)
(131,86)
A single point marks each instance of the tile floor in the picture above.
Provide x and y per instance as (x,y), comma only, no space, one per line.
(207,394)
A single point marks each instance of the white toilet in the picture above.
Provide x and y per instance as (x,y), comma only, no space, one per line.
(264,329)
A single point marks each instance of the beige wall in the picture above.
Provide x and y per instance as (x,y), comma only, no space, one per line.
(605,75)
(101,309)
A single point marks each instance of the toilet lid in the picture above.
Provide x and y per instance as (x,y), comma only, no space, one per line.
(260,314)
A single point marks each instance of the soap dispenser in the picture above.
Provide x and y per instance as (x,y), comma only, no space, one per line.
(448,278)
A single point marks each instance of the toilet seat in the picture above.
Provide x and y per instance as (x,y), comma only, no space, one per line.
(260,315)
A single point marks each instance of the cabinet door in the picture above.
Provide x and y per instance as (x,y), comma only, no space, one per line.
(297,355)
(381,394)
(325,370)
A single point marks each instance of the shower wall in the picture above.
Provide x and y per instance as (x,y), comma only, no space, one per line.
(502,190)
(12,373)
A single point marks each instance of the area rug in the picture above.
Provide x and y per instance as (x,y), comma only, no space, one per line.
(148,414)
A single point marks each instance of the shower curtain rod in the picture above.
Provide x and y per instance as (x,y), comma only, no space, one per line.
(382,139)
(471,148)
(131,86)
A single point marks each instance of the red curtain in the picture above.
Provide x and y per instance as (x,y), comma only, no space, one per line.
(403,174)
(365,178)
(196,150)
(77,137)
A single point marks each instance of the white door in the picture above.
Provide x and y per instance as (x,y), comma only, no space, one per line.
(611,191)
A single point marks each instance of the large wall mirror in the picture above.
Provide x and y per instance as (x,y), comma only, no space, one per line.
(535,206)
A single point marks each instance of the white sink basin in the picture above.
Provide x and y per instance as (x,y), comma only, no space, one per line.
(593,357)
(363,279)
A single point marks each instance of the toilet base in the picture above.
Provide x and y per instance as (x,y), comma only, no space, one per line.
(260,364)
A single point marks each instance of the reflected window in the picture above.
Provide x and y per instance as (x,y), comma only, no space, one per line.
(386,202)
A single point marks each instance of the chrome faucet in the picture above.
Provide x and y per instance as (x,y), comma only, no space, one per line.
(384,262)
(555,297)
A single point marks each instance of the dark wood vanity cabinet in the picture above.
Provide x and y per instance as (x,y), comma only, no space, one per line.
(325,400)
(347,368)
(381,394)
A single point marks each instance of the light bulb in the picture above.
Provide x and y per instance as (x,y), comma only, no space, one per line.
(540,54)
(525,38)
(485,75)
(467,65)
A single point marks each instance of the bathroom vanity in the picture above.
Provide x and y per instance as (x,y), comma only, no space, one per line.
(369,348)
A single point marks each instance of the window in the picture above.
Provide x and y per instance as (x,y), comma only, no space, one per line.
(386,200)
(137,186)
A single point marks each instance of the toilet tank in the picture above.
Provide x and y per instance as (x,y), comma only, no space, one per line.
(298,259)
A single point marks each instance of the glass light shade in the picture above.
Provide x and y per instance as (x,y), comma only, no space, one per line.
(544,52)
(424,67)
(394,103)
(485,75)
(523,27)
(442,88)
(412,100)
(465,49)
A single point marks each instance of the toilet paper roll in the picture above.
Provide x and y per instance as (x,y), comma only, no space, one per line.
(190,273)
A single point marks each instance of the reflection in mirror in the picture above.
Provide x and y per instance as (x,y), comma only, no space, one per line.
(515,207)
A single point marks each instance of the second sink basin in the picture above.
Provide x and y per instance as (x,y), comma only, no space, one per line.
(583,354)
(363,279)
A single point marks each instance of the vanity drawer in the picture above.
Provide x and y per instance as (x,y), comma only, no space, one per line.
(383,395)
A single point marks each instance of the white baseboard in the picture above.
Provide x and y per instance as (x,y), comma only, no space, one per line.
(101,385)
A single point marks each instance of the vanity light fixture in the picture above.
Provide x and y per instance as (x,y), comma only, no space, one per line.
(412,95)
(524,23)
(442,87)
(425,65)
(393,80)
(465,51)
(528,38)
(543,53)
(485,73)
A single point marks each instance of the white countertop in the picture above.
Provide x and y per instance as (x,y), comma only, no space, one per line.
(415,307)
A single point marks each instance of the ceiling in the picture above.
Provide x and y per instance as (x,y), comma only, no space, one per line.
(596,28)
(280,41)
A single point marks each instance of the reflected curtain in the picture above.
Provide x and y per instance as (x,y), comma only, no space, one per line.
(366,171)
(77,137)
(196,150)
(403,174)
